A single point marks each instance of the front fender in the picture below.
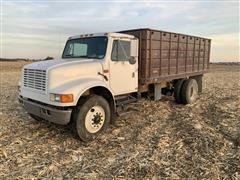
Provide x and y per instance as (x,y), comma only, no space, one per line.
(78,87)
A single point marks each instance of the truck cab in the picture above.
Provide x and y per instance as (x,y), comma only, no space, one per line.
(94,68)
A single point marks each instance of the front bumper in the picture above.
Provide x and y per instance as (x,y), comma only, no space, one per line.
(51,114)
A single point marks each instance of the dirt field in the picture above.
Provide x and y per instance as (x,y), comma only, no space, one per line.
(161,140)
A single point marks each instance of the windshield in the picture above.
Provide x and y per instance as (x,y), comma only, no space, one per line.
(89,47)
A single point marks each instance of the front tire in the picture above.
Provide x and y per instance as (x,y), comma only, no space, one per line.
(92,118)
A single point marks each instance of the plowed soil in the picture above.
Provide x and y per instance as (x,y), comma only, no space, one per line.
(159,140)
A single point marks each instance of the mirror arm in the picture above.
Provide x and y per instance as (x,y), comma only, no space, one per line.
(105,77)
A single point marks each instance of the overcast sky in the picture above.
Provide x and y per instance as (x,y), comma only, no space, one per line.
(38,29)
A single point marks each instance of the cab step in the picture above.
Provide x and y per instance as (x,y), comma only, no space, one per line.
(122,100)
(122,103)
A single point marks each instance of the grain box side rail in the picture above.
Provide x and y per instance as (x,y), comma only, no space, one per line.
(167,55)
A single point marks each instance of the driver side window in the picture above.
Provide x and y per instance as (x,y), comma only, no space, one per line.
(120,50)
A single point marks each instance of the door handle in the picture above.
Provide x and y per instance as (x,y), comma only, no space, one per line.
(133,74)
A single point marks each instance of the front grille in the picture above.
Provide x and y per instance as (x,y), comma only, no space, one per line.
(35,79)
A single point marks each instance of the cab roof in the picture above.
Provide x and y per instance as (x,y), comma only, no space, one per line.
(109,34)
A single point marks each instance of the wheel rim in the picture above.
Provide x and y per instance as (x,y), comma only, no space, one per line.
(94,119)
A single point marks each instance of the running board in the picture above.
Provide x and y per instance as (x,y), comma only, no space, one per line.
(122,102)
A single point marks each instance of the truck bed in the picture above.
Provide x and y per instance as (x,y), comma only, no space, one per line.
(167,55)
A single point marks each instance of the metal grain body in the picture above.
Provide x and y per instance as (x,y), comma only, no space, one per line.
(168,55)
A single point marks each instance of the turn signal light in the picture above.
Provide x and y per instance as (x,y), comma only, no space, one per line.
(63,98)
(66,98)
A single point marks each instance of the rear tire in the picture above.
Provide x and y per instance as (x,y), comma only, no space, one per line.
(189,91)
(177,90)
(92,118)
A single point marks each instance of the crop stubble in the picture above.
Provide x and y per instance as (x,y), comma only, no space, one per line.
(161,139)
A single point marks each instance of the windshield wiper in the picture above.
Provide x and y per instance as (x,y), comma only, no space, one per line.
(69,55)
(85,57)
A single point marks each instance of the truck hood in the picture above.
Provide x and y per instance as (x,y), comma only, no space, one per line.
(44,65)
(60,72)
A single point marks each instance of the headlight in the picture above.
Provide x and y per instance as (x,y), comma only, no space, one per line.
(62,98)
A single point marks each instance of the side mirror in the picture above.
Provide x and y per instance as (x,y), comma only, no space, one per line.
(133,51)
(132,60)
(134,48)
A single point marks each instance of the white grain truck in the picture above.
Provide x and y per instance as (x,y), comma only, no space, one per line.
(99,74)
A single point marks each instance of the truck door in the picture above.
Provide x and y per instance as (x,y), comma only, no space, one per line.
(124,66)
